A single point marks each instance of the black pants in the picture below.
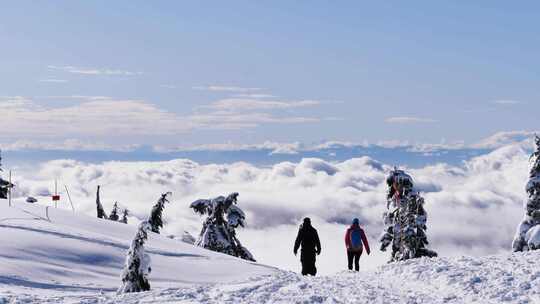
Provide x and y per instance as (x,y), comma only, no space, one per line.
(308,262)
(354,255)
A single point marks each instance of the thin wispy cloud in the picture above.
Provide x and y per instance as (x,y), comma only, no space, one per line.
(168,86)
(76,97)
(506,102)
(408,120)
(52,80)
(93,71)
(256,96)
(218,88)
(70,144)
(89,118)
(106,116)
(241,104)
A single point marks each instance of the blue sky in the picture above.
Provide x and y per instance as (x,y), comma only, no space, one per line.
(174,73)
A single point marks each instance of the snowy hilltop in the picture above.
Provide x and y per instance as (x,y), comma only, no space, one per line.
(53,256)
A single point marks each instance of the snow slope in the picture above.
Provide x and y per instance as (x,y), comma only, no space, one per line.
(44,251)
(77,259)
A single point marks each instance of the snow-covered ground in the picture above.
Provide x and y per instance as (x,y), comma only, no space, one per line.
(49,255)
(46,251)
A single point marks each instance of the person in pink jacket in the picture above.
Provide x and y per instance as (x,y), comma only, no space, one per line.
(355,241)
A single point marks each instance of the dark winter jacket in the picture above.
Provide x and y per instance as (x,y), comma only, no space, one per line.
(348,238)
(308,239)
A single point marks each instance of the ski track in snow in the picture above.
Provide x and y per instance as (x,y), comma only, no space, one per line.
(48,262)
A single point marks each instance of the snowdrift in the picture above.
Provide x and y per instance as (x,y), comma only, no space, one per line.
(45,251)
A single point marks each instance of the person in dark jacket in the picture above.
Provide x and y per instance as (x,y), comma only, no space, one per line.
(355,239)
(311,246)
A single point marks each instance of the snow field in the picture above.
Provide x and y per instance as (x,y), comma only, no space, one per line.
(53,256)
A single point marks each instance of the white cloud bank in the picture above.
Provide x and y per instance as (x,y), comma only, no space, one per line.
(472,209)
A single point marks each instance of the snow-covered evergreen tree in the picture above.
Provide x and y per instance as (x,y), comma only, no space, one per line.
(528,231)
(100,211)
(4,184)
(218,231)
(125,214)
(137,265)
(114,216)
(405,219)
(156,221)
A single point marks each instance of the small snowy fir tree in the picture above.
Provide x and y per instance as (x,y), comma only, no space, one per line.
(528,231)
(114,216)
(137,265)
(100,211)
(405,219)
(218,233)
(125,214)
(156,220)
(4,184)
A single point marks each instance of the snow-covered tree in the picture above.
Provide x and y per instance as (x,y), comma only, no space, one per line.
(100,211)
(4,184)
(218,231)
(528,231)
(405,219)
(114,216)
(156,221)
(125,214)
(137,265)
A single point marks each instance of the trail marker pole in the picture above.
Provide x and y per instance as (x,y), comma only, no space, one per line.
(56,197)
(9,189)
(69,197)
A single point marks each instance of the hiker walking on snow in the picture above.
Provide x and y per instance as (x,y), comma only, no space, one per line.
(355,240)
(311,246)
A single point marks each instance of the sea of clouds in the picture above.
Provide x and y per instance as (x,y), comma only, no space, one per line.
(473,209)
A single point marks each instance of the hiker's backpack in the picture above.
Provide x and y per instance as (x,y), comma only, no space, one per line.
(356,239)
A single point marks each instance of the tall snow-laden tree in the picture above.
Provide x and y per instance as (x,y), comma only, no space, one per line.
(125,214)
(137,265)
(528,231)
(100,211)
(219,228)
(405,219)
(156,221)
(114,216)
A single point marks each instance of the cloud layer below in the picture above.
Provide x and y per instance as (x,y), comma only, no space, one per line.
(473,209)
